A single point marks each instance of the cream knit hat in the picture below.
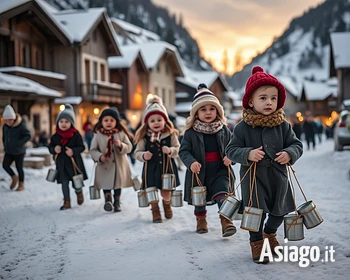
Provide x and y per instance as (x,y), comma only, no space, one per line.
(9,113)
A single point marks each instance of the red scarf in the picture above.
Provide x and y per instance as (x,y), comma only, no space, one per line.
(109,133)
(66,134)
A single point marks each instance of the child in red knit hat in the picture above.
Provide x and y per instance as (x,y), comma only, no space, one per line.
(265,137)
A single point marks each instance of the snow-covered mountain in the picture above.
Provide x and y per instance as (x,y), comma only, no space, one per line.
(303,51)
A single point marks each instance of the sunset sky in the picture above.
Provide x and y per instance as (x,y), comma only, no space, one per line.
(246,27)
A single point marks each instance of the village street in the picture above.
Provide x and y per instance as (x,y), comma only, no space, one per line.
(37,241)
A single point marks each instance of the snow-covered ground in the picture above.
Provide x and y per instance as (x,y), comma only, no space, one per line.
(37,241)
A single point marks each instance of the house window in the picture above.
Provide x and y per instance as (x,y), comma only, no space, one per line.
(26,55)
(87,71)
(163,96)
(36,122)
(39,59)
(103,77)
(94,69)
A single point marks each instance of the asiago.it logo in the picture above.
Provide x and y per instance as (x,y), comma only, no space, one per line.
(303,254)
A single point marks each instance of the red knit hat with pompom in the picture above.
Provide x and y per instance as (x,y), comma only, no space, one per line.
(260,78)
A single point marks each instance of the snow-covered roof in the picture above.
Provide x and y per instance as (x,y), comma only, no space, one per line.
(291,86)
(36,72)
(318,90)
(129,54)
(183,107)
(194,78)
(48,9)
(75,100)
(142,35)
(8,5)
(24,85)
(341,50)
(78,23)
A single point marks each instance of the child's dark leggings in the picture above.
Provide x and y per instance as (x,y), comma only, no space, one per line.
(65,189)
(202,210)
(18,159)
(271,226)
(117,192)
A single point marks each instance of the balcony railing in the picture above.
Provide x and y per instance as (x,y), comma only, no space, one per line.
(101,92)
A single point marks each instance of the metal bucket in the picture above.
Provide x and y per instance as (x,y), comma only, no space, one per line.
(142,198)
(137,183)
(152,195)
(176,198)
(78,181)
(51,175)
(312,217)
(199,196)
(229,207)
(251,218)
(293,227)
(168,182)
(94,193)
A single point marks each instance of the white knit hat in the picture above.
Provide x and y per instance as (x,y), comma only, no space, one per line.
(155,106)
(9,113)
(204,97)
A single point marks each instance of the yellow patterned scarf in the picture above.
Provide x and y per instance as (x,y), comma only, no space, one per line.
(255,119)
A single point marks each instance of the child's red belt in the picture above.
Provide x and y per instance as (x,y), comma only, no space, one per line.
(212,156)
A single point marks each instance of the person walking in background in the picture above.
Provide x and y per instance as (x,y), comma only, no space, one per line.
(156,143)
(15,135)
(66,145)
(296,126)
(319,130)
(109,148)
(309,129)
(265,137)
(88,133)
(202,151)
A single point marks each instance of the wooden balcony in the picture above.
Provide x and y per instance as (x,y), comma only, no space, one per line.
(101,92)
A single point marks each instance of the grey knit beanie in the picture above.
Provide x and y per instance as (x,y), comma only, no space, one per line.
(67,113)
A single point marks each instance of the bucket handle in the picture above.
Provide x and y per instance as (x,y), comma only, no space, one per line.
(294,221)
(290,168)
(167,159)
(197,179)
(75,167)
(253,185)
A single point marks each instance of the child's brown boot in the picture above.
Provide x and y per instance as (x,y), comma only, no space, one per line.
(272,240)
(80,198)
(116,204)
(14,182)
(202,226)
(157,218)
(256,247)
(20,187)
(227,226)
(66,204)
(108,206)
(168,213)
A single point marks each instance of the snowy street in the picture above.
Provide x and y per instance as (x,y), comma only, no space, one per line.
(37,241)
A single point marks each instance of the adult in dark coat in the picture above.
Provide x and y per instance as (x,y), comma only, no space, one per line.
(67,145)
(264,138)
(15,135)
